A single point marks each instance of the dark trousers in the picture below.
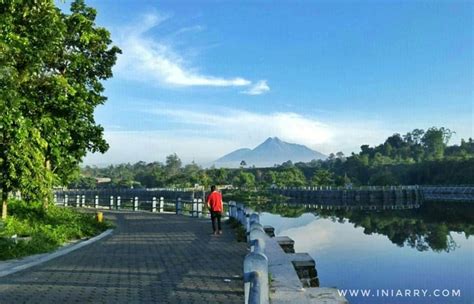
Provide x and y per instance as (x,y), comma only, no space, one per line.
(216,216)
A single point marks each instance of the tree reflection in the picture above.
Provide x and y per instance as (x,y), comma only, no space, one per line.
(424,228)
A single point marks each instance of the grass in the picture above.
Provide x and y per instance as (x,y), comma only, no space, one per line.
(46,229)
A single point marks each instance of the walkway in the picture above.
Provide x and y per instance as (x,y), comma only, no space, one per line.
(150,258)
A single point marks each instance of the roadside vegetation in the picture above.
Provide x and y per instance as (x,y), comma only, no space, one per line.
(32,229)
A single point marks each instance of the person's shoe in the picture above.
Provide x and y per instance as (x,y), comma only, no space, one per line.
(220,231)
(214,233)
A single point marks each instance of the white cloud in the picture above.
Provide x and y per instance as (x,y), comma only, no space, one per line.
(248,127)
(204,136)
(152,146)
(259,88)
(151,60)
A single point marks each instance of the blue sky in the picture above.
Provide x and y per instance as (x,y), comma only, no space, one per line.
(202,78)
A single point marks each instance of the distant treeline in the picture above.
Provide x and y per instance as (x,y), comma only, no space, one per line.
(418,157)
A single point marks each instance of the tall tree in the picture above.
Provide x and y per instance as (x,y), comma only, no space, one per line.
(435,140)
(52,64)
(322,178)
(69,89)
(27,33)
(173,165)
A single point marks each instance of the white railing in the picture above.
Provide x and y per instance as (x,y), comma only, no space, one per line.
(255,263)
(193,207)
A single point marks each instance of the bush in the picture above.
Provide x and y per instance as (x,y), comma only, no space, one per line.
(48,228)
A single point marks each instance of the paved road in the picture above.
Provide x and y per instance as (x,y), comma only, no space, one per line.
(150,258)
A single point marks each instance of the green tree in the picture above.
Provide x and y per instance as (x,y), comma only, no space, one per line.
(84,182)
(173,165)
(340,155)
(290,177)
(191,174)
(52,67)
(204,179)
(435,140)
(383,177)
(70,89)
(287,164)
(322,178)
(244,179)
(23,43)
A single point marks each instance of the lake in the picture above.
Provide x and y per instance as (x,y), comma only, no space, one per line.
(422,255)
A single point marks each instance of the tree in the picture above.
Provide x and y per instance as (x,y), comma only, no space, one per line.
(69,89)
(340,155)
(383,178)
(395,141)
(243,164)
(24,33)
(287,164)
(322,178)
(191,173)
(244,179)
(221,176)
(173,165)
(290,177)
(84,182)
(435,140)
(52,64)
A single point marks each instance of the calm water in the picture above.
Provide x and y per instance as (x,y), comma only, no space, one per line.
(425,249)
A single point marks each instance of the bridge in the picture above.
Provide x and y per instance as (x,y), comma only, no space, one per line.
(450,193)
(389,196)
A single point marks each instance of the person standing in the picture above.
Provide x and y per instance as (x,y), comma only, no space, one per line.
(214,203)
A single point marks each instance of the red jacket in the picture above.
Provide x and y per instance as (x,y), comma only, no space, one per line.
(214,201)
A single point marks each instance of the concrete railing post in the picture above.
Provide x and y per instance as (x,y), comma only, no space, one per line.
(153,204)
(119,200)
(78,201)
(257,238)
(240,213)
(83,201)
(111,205)
(55,199)
(178,205)
(194,208)
(135,204)
(232,209)
(199,207)
(256,278)
(252,219)
(66,200)
(162,204)
(254,289)
(96,202)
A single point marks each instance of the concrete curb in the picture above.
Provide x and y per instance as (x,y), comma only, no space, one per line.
(9,267)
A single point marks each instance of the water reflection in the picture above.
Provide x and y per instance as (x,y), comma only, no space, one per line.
(429,247)
(423,228)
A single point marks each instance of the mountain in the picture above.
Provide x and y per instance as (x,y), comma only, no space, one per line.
(272,151)
(238,154)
